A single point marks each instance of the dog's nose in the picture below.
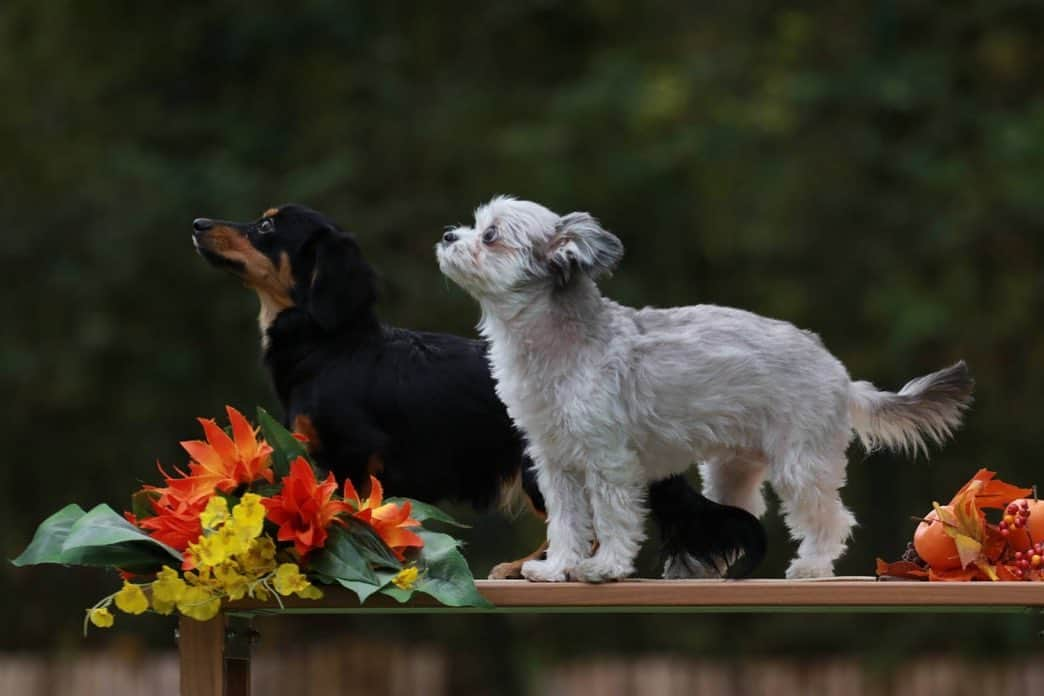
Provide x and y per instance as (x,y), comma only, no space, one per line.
(202,224)
(449,238)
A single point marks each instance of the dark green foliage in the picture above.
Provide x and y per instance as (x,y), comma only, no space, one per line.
(872,171)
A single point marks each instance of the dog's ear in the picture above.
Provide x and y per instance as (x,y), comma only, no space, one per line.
(342,284)
(581,245)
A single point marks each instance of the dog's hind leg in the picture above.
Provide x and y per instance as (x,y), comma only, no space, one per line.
(808,484)
(735,478)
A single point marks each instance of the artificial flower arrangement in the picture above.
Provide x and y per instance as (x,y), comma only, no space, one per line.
(251,519)
(958,541)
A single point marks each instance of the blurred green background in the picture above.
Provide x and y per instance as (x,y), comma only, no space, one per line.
(869,170)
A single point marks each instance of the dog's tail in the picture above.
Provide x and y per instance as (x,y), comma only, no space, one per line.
(702,538)
(928,408)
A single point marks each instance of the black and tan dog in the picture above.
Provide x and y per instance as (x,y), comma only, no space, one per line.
(416,409)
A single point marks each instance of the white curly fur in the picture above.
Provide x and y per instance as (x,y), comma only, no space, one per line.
(613,397)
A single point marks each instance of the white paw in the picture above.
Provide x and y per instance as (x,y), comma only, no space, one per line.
(598,570)
(543,571)
(809,568)
(685,567)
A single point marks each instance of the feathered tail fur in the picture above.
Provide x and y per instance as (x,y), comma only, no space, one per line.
(700,535)
(927,409)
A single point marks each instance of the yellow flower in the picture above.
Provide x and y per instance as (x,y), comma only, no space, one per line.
(199,603)
(259,558)
(216,513)
(233,541)
(233,583)
(167,589)
(209,551)
(310,592)
(249,516)
(131,599)
(201,577)
(102,618)
(405,578)
(288,579)
(259,591)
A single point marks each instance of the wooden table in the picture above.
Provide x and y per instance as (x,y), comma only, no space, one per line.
(215,655)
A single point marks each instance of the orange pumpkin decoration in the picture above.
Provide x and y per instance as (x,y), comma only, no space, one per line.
(1020,538)
(934,545)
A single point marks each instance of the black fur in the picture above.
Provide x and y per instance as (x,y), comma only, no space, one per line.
(724,537)
(420,404)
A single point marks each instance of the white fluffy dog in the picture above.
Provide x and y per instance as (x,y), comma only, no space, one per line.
(612,397)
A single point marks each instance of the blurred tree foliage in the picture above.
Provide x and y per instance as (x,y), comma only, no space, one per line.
(869,170)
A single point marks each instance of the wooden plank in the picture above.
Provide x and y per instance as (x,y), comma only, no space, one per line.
(840,593)
(239,638)
(201,645)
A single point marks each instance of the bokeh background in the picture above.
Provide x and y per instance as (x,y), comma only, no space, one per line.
(869,170)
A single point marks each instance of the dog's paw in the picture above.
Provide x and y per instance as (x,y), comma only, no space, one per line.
(684,567)
(506,571)
(598,570)
(809,568)
(543,571)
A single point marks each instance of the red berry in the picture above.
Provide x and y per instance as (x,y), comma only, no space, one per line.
(1017,573)
(1012,509)
(1025,505)
(1004,531)
(1020,522)
(1018,555)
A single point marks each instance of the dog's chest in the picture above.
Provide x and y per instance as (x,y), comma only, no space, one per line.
(549,402)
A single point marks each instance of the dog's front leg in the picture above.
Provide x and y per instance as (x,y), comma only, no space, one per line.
(569,533)
(617,491)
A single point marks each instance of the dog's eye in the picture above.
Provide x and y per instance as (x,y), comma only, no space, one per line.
(490,235)
(266,226)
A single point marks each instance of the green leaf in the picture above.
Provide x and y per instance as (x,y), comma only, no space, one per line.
(285,447)
(363,589)
(397,593)
(425,511)
(445,574)
(141,504)
(134,556)
(341,560)
(98,538)
(371,546)
(46,546)
(103,526)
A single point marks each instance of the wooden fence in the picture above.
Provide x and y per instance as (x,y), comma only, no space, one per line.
(350,667)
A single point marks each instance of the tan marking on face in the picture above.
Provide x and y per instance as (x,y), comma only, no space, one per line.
(273,289)
(271,282)
(303,425)
(271,212)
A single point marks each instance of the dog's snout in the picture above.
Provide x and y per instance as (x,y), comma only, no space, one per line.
(202,224)
(449,237)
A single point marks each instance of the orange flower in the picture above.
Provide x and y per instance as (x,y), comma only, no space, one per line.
(176,520)
(224,462)
(304,508)
(392,522)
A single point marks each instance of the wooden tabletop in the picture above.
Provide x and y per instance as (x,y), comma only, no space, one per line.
(837,594)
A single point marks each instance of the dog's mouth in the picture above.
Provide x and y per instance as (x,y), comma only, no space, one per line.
(215,259)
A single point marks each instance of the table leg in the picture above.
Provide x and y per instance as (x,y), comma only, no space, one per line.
(215,656)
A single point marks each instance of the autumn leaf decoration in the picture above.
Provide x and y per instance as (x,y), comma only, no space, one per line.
(982,548)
